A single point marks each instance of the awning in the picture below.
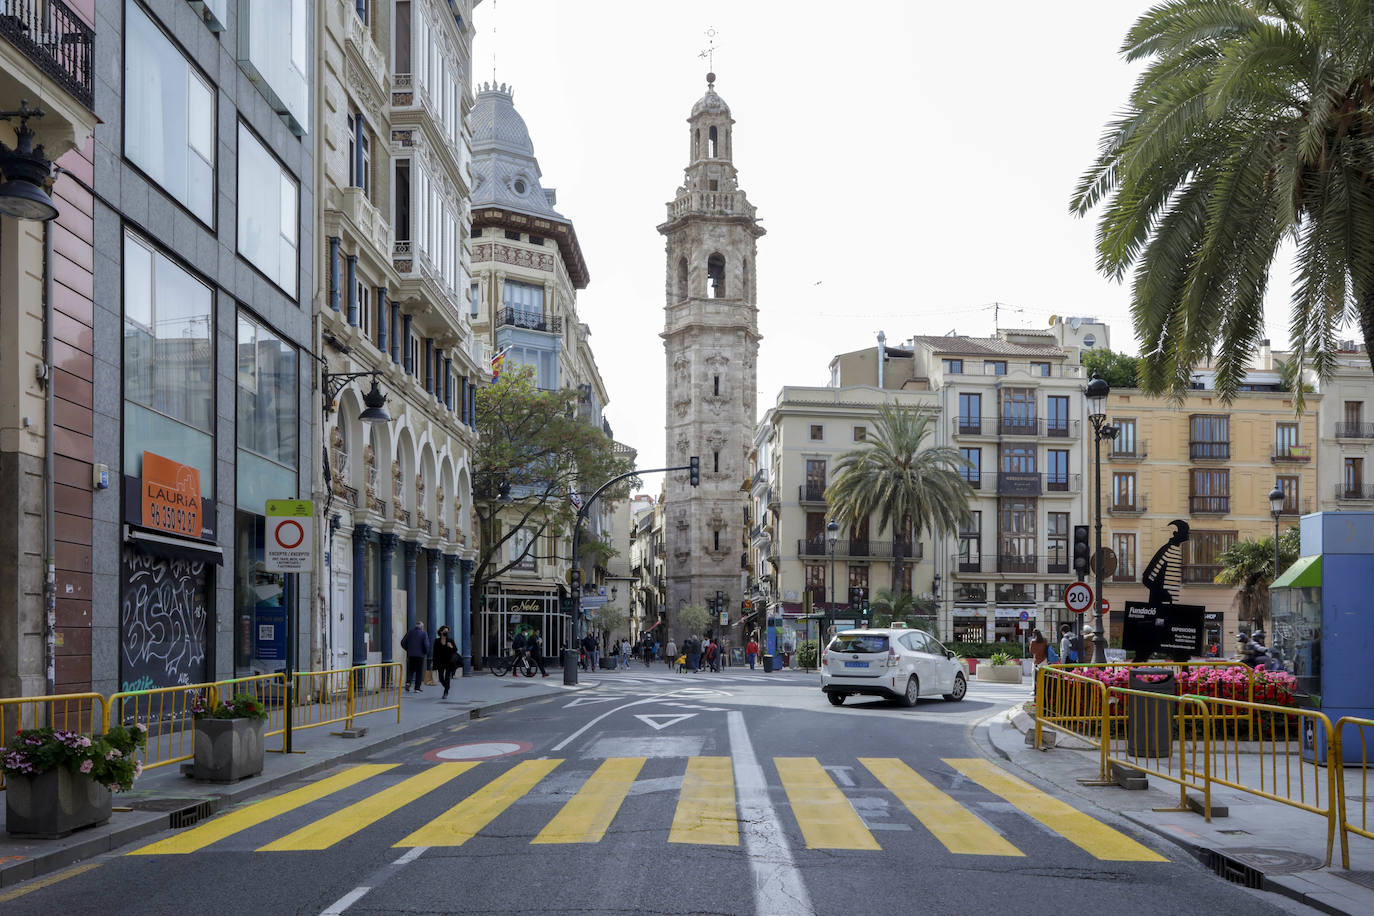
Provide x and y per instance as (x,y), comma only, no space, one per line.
(173,548)
(1306,573)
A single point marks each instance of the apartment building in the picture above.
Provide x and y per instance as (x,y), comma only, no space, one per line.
(1345,444)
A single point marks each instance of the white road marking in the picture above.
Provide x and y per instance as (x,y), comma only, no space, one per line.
(841,775)
(346,901)
(588,701)
(778,886)
(661,721)
(411,856)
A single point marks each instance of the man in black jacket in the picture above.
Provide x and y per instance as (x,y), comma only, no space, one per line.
(416,645)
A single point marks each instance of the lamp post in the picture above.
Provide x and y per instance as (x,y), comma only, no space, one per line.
(832,535)
(1097,392)
(1276,500)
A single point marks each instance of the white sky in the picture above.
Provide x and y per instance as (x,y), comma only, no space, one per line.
(912,163)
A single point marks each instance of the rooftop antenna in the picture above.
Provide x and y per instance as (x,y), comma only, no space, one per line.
(709,54)
(493,44)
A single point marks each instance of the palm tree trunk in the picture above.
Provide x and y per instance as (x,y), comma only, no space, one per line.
(1366,308)
(899,557)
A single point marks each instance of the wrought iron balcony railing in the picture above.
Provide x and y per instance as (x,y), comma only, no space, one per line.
(1209,505)
(1209,451)
(1354,491)
(811,493)
(855,547)
(57,41)
(1347,430)
(1128,451)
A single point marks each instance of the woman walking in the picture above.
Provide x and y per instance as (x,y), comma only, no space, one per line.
(445,659)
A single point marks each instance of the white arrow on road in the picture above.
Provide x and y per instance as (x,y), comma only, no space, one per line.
(660,722)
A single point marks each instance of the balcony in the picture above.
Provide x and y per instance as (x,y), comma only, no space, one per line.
(1209,505)
(811,492)
(1024,483)
(969,426)
(1294,507)
(1348,430)
(1131,507)
(57,42)
(1209,451)
(1200,573)
(1033,426)
(1363,492)
(1136,451)
(366,220)
(818,547)
(1291,453)
(1053,564)
(529,320)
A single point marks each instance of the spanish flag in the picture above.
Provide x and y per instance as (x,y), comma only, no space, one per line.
(497,361)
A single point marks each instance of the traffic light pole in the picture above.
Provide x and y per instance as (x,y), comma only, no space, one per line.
(570,653)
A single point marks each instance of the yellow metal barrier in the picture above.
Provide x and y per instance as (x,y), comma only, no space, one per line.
(267,689)
(374,688)
(74,712)
(322,698)
(167,713)
(1364,729)
(1072,703)
(1163,735)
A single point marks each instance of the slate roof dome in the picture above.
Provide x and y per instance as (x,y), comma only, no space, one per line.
(710,103)
(505,171)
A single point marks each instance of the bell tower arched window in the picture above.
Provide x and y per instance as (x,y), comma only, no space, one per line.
(682,278)
(715,275)
(713,142)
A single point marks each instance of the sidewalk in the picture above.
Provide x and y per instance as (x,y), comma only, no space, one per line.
(1260,843)
(162,797)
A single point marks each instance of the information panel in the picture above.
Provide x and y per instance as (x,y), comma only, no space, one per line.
(1175,630)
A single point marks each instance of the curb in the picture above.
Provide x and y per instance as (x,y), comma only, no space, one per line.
(140,824)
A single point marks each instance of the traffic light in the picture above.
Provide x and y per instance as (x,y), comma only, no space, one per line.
(576,580)
(695,472)
(1081,551)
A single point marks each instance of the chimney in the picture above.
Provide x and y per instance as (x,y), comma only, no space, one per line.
(882,356)
(1266,355)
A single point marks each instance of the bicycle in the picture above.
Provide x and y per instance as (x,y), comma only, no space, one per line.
(520,663)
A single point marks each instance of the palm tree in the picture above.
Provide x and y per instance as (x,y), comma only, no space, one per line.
(1249,565)
(912,488)
(1252,125)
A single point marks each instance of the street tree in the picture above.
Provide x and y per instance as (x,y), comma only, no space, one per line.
(1249,565)
(694,619)
(533,454)
(611,621)
(913,488)
(1251,127)
(1116,369)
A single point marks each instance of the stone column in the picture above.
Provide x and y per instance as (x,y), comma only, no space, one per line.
(360,536)
(412,552)
(432,591)
(451,596)
(387,637)
(466,569)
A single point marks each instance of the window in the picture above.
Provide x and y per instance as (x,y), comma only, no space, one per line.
(169,363)
(953,366)
(860,434)
(815,582)
(974,472)
(1057,476)
(1057,542)
(715,276)
(715,462)
(513,236)
(1204,554)
(1289,485)
(402,203)
(994,367)
(682,278)
(359,154)
(169,112)
(1354,412)
(715,385)
(970,592)
(1018,411)
(817,432)
(1209,437)
(524,304)
(1353,478)
(267,212)
(858,578)
(1016,535)
(1285,437)
(970,413)
(474,299)
(815,480)
(522,550)
(1209,490)
(413,355)
(1123,491)
(536,240)
(1041,370)
(1018,459)
(1124,445)
(1057,415)
(401,38)
(273,49)
(971,543)
(364,8)
(715,540)
(268,419)
(366,314)
(1123,545)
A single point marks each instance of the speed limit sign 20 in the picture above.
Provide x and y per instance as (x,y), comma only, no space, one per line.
(1078,597)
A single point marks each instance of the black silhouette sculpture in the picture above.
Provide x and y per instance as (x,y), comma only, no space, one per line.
(1163,575)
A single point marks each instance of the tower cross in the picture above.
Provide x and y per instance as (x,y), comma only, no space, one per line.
(709,52)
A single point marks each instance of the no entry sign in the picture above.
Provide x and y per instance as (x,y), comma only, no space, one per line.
(287,543)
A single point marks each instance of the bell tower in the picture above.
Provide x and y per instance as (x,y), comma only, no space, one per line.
(711,343)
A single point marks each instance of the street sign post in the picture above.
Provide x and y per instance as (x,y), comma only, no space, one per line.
(1078,597)
(288,547)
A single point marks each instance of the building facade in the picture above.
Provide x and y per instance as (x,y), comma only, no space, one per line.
(711,341)
(1345,430)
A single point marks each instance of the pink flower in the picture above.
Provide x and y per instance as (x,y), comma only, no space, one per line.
(86,766)
(114,752)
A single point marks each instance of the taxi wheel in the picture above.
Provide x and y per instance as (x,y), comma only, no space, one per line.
(836,699)
(960,688)
(913,692)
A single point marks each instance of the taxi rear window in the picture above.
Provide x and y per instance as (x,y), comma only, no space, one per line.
(859,642)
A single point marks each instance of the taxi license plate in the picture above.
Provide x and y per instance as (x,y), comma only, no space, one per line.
(856,664)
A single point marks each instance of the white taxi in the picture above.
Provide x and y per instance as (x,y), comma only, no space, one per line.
(898,663)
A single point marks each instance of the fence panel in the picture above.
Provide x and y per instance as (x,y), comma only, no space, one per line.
(321,698)
(73,712)
(1353,731)
(1072,703)
(167,713)
(375,688)
(1164,736)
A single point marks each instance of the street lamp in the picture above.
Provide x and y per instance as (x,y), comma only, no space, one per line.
(28,172)
(1096,394)
(832,534)
(1276,500)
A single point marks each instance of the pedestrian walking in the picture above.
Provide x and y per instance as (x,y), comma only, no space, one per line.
(1039,648)
(751,652)
(534,645)
(1066,644)
(624,653)
(445,659)
(588,646)
(713,654)
(670,653)
(416,646)
(1086,653)
(693,649)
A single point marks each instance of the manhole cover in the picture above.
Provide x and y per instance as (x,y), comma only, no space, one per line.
(480,750)
(1272,861)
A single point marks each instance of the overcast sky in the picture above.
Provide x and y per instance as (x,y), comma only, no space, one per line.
(912,162)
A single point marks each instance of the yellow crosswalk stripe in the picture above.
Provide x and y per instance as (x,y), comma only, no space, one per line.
(705,812)
(347,821)
(250,816)
(466,819)
(826,818)
(950,822)
(588,814)
(1087,833)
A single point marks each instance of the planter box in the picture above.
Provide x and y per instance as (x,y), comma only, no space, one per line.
(53,804)
(228,749)
(1000,674)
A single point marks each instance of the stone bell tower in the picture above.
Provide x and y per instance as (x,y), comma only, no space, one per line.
(711,341)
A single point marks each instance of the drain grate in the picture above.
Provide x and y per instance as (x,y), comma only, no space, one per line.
(1362,878)
(1248,865)
(190,815)
(1233,871)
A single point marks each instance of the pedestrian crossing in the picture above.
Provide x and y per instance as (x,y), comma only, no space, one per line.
(658,675)
(705,813)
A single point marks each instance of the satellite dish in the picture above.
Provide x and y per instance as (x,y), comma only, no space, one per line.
(1075,323)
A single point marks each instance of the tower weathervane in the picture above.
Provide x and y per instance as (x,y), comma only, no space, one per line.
(710,54)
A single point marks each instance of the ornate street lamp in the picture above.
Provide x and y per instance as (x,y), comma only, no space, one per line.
(1096,393)
(1276,501)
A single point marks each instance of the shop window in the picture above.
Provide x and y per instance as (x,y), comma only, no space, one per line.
(268,419)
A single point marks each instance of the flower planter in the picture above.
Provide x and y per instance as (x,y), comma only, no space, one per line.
(1000,674)
(53,804)
(227,750)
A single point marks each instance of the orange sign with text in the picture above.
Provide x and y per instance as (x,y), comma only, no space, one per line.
(170,496)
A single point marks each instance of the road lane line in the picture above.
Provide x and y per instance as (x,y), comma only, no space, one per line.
(950,822)
(49,881)
(587,815)
(346,901)
(345,822)
(466,819)
(241,819)
(826,818)
(1087,833)
(778,886)
(705,812)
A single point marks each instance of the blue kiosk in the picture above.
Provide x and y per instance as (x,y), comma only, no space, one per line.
(1323,622)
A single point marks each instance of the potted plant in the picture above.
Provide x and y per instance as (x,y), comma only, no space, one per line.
(1001,668)
(228,738)
(58,781)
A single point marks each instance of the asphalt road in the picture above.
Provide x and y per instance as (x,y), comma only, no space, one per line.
(731,794)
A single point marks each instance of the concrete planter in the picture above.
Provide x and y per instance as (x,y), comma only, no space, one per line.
(227,750)
(1000,674)
(53,804)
